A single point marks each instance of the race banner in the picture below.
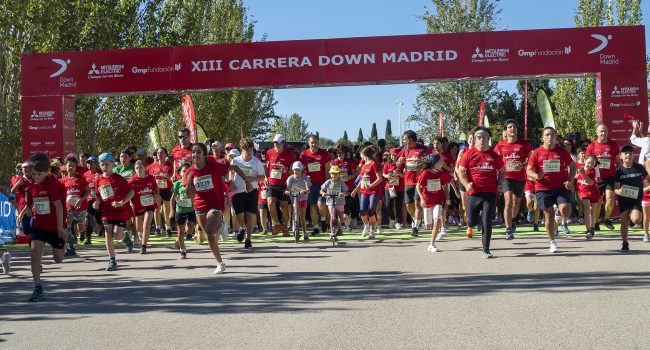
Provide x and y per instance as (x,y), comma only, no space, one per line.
(441,123)
(188,116)
(481,113)
(545,109)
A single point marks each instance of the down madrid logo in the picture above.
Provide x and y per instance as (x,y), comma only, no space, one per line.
(604,40)
(63,66)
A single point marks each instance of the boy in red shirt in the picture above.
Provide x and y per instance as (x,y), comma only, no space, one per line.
(77,191)
(434,194)
(587,188)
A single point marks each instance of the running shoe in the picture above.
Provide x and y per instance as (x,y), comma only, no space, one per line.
(432,248)
(529,216)
(241,234)
(188,236)
(158,231)
(248,243)
(398,226)
(276,229)
(535,228)
(365,231)
(597,227)
(305,237)
(169,232)
(414,231)
(6,262)
(513,228)
(552,247)
(296,235)
(608,224)
(323,226)
(487,254)
(37,295)
(509,235)
(443,231)
(128,242)
(70,252)
(371,235)
(589,234)
(555,234)
(143,250)
(379,230)
(439,236)
(221,268)
(183,255)
(581,221)
(469,232)
(285,232)
(88,241)
(112,265)
(339,232)
(565,229)
(315,231)
(224,230)
(625,247)
(646,238)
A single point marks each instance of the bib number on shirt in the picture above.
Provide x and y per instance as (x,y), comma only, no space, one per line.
(183,201)
(276,174)
(433,185)
(203,183)
(365,183)
(162,184)
(296,188)
(106,192)
(146,200)
(265,194)
(630,191)
(551,166)
(604,163)
(512,166)
(42,205)
(247,170)
(411,165)
(313,167)
(72,200)
(334,191)
(393,180)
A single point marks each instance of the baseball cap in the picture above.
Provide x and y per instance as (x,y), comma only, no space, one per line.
(278,138)
(234,152)
(106,157)
(394,151)
(230,145)
(334,169)
(296,165)
(433,158)
(91,159)
(142,151)
(26,165)
(216,144)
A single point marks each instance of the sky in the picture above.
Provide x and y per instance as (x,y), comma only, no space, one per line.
(332,110)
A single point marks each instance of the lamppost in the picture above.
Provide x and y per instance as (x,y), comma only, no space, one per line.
(399,119)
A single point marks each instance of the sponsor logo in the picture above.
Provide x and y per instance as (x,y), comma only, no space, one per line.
(69,115)
(628,104)
(617,121)
(35,143)
(46,127)
(545,52)
(490,55)
(625,91)
(106,71)
(63,66)
(42,115)
(50,143)
(604,41)
(146,70)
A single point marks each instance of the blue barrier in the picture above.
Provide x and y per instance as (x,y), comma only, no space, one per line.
(7,215)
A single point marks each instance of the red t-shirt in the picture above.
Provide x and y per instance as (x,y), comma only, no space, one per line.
(160,173)
(368,175)
(393,181)
(514,153)
(75,187)
(181,154)
(348,171)
(606,154)
(144,189)
(411,162)
(21,191)
(261,193)
(90,178)
(584,189)
(81,170)
(208,185)
(111,189)
(279,166)
(556,160)
(482,169)
(315,164)
(432,184)
(41,198)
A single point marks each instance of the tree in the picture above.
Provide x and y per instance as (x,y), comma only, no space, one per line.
(360,139)
(388,135)
(293,127)
(373,134)
(325,142)
(535,123)
(345,135)
(458,101)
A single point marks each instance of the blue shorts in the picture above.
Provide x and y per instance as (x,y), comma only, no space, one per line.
(314,195)
(547,198)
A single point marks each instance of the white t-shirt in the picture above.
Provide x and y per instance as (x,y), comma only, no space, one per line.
(252,168)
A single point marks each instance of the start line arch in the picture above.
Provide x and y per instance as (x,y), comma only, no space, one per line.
(615,55)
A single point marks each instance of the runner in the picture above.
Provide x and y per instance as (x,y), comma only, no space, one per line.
(348,173)
(182,152)
(183,210)
(204,182)
(434,193)
(461,188)
(215,148)
(245,203)
(316,161)
(112,195)
(298,188)
(531,204)
(127,164)
(395,189)
(93,218)
(77,191)
(478,171)
(45,205)
(20,187)
(515,153)
(146,198)
(163,173)
(587,188)
(369,187)
(439,144)
(263,206)
(629,187)
(335,191)
(280,160)
(409,162)
(553,184)
(607,153)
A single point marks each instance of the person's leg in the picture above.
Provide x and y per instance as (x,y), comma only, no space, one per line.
(488,206)
(36,254)
(586,203)
(110,247)
(313,214)
(286,213)
(264,218)
(372,211)
(322,211)
(364,204)
(609,203)
(399,205)
(333,217)
(139,228)
(251,220)
(303,218)
(378,214)
(646,221)
(167,212)
(272,204)
(549,223)
(146,227)
(625,224)
(212,222)
(565,211)
(180,234)
(158,219)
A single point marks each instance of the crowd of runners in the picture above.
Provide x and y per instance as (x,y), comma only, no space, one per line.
(206,191)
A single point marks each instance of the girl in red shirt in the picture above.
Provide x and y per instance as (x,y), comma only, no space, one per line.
(395,188)
(145,201)
(370,179)
(431,186)
(587,188)
(163,173)
(77,190)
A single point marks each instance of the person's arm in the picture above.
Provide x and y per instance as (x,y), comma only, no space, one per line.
(588,180)
(377,181)
(617,188)
(462,176)
(502,179)
(238,171)
(530,172)
(126,199)
(16,185)
(572,175)
(418,190)
(58,208)
(83,197)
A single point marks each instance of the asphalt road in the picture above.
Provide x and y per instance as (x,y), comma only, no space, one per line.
(361,294)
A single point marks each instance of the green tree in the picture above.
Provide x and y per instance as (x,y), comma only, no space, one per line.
(373,134)
(458,101)
(360,139)
(388,135)
(535,123)
(293,127)
(345,135)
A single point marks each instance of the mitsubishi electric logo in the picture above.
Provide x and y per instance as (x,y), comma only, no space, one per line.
(63,65)
(106,71)
(490,55)
(603,42)
(477,54)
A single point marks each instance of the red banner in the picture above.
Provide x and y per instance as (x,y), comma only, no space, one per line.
(442,125)
(618,94)
(526,109)
(481,113)
(188,116)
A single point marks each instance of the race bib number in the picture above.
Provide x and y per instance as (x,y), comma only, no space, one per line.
(297,188)
(433,185)
(162,184)
(203,183)
(333,191)
(343,176)
(42,205)
(106,192)
(184,202)
(604,163)
(146,200)
(512,166)
(365,183)
(313,167)
(551,166)
(411,165)
(72,200)
(393,180)
(276,174)
(247,170)
(265,194)
(630,191)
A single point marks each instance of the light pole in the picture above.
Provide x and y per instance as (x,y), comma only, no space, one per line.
(399,118)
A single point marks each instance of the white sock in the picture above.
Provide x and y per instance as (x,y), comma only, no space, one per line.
(417,223)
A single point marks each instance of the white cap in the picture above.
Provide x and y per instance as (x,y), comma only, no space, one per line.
(278,138)
(234,152)
(216,144)
(297,165)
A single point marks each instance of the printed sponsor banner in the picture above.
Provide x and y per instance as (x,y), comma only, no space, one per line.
(621,98)
(188,116)
(42,125)
(69,136)
(7,215)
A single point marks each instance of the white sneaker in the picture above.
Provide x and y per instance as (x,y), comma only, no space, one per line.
(552,247)
(225,230)
(391,223)
(221,268)
(379,230)
(443,231)
(439,236)
(398,226)
(432,248)
(365,231)
(371,235)
(646,238)
(5,259)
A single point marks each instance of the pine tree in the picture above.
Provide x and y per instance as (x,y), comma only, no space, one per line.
(345,135)
(373,133)
(388,134)
(360,138)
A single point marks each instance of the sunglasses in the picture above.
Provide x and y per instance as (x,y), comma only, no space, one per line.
(183,136)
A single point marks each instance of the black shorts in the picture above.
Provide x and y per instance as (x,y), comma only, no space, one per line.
(49,237)
(516,187)
(166,194)
(411,195)
(141,213)
(460,186)
(629,204)
(116,223)
(547,198)
(277,192)
(245,202)
(606,184)
(183,218)
(261,206)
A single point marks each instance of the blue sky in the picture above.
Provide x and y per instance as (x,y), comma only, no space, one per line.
(334,109)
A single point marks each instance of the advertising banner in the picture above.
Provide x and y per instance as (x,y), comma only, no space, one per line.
(7,215)
(621,94)
(42,125)
(188,116)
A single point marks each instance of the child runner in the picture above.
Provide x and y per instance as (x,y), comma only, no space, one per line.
(531,204)
(432,188)
(77,190)
(298,186)
(587,188)
(94,218)
(204,182)
(113,194)
(370,179)
(629,188)
(20,186)
(164,172)
(45,205)
(262,206)
(145,199)
(335,190)
(183,209)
